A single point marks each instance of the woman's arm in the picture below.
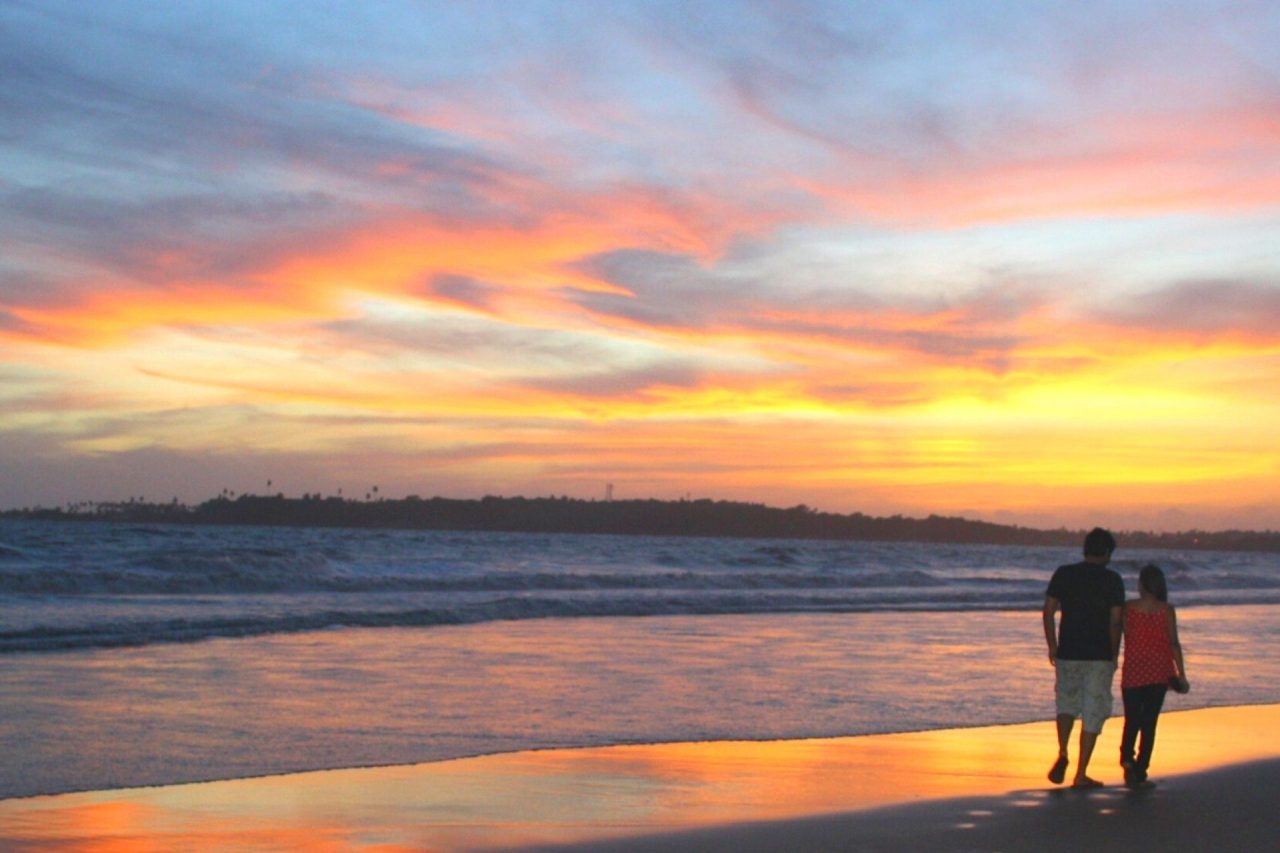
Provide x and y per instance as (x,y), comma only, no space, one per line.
(1176,645)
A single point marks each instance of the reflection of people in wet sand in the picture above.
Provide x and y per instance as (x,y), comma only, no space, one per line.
(1152,662)
(1083,649)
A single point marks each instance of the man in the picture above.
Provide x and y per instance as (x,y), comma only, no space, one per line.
(1084,648)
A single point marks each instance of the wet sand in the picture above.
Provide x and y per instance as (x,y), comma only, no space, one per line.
(1231,808)
(964,789)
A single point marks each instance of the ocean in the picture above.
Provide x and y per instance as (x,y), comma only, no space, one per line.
(144,655)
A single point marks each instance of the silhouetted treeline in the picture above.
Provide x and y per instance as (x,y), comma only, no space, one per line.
(653,517)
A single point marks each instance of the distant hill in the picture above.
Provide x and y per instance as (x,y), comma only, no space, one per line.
(653,517)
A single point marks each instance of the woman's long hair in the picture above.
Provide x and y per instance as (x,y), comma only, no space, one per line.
(1151,578)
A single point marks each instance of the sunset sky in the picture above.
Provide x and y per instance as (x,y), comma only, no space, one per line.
(1013,261)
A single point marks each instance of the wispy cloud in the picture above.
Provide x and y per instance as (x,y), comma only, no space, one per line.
(867,256)
(1207,309)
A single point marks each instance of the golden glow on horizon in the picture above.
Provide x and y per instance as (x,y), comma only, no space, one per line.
(1120,423)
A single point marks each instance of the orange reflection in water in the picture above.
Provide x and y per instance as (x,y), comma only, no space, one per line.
(568,795)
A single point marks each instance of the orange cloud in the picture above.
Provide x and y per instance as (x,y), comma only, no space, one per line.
(397,255)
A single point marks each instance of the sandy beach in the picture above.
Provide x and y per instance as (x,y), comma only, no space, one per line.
(963,789)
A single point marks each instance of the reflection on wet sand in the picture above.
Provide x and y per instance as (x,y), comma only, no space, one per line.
(558,796)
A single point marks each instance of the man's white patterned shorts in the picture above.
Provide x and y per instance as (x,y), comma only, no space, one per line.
(1083,689)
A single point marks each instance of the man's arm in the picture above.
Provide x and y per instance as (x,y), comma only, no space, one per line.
(1050,629)
(1117,628)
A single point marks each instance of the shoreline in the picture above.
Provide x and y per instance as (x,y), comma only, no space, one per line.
(697,795)
(432,696)
(499,755)
(238,709)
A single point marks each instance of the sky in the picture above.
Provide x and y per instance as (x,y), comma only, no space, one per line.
(1010,261)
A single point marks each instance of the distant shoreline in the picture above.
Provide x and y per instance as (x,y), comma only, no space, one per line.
(702,517)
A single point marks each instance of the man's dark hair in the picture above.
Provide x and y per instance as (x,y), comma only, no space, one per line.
(1099,543)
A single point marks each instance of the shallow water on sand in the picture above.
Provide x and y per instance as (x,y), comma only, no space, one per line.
(229,708)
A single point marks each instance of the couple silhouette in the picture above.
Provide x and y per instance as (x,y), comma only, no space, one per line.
(1085,619)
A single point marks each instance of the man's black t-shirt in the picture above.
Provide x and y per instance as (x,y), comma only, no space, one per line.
(1086,593)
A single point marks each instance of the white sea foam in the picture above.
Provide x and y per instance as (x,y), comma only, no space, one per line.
(79,585)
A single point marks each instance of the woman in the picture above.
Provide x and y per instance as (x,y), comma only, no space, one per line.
(1152,663)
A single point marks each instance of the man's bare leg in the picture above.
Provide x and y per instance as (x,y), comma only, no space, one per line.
(1059,770)
(1087,742)
(1065,723)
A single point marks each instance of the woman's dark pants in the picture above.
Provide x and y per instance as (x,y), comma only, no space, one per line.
(1141,711)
